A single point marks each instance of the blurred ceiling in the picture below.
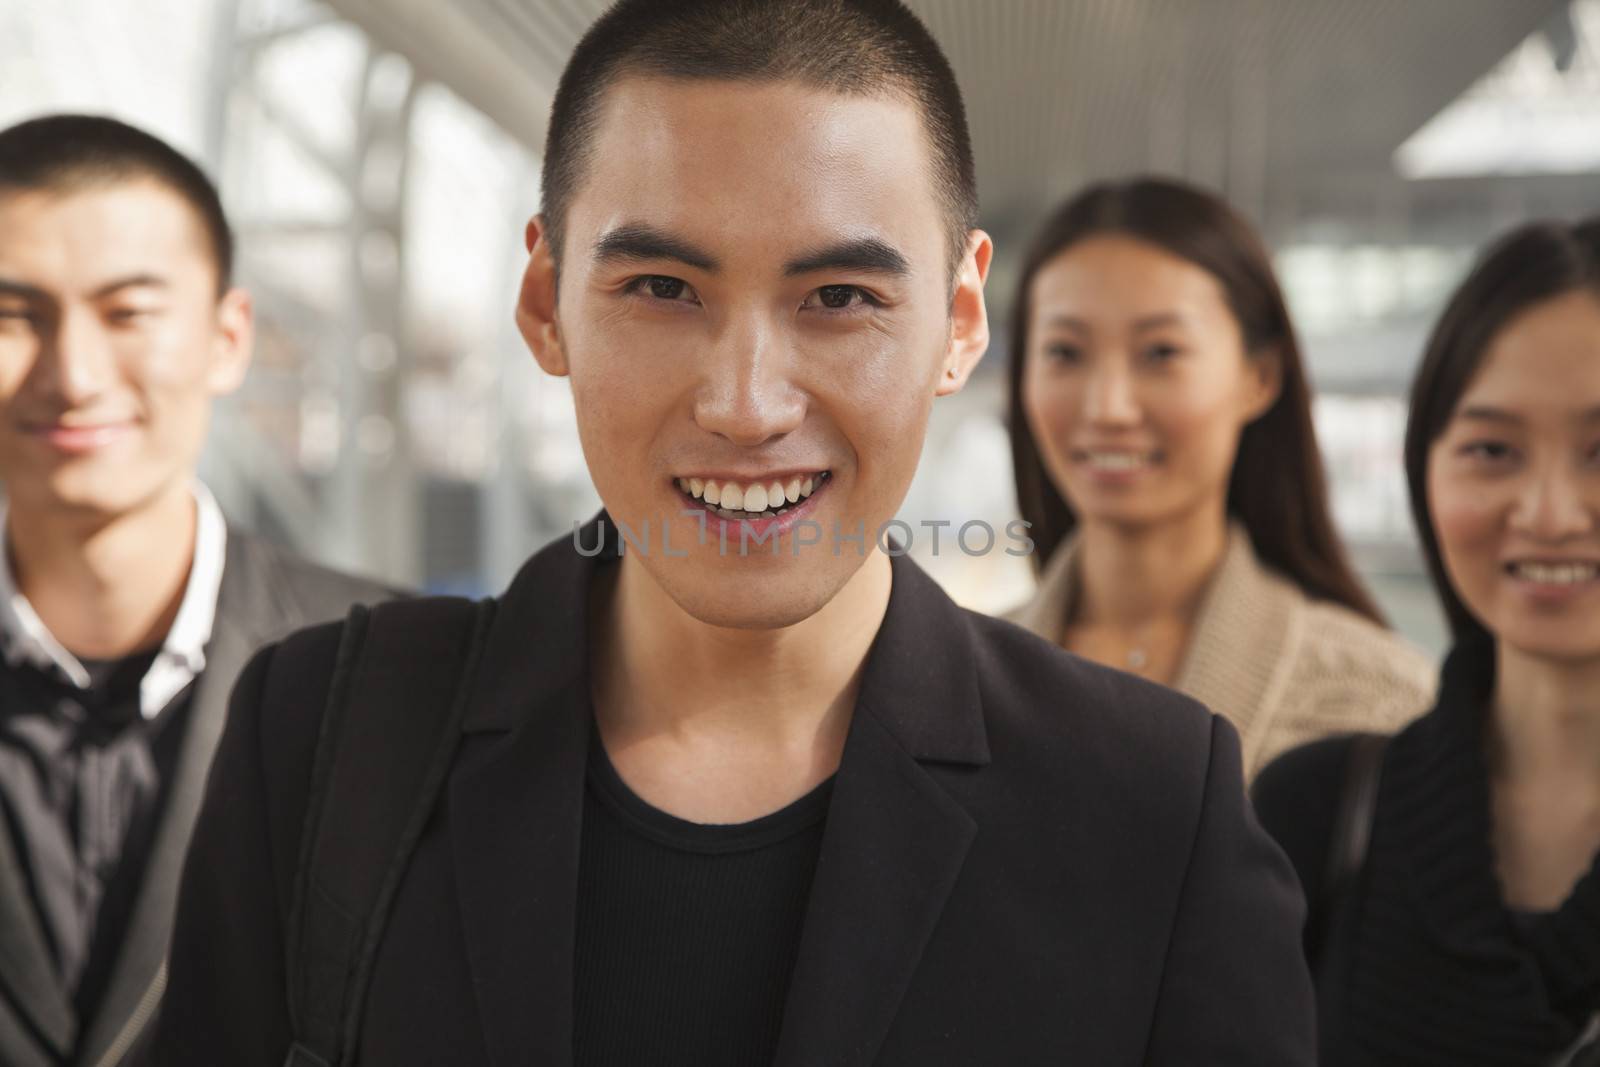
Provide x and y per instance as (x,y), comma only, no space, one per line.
(1276,102)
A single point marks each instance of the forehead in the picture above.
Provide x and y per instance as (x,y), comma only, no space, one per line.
(72,240)
(1116,275)
(750,168)
(1544,362)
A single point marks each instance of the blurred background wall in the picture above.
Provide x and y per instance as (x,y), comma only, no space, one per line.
(380,157)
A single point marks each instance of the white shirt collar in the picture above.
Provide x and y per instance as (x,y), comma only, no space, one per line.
(24,638)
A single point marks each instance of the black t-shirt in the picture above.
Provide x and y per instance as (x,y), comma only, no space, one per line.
(686,933)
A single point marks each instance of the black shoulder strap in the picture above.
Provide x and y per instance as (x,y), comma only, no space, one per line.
(387,738)
(1347,860)
(1352,826)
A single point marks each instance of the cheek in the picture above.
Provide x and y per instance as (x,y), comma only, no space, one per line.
(1196,426)
(878,387)
(1467,522)
(1051,404)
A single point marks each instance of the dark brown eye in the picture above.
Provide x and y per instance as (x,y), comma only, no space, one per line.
(836,296)
(666,288)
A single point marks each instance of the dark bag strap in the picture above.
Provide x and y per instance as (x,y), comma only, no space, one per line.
(1347,860)
(395,704)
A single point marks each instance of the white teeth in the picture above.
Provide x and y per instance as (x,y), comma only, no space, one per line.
(1556,573)
(1117,461)
(755,499)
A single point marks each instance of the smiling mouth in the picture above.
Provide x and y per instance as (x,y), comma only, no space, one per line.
(1116,460)
(1569,573)
(746,501)
(78,438)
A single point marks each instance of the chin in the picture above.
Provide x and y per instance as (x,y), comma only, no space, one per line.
(1566,645)
(730,607)
(94,497)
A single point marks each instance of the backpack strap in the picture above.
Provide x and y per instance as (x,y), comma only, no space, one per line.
(388,736)
(1347,860)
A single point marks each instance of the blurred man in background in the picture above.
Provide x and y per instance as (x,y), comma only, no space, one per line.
(127,604)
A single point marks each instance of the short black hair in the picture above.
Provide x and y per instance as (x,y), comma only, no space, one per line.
(1530,265)
(68,152)
(858,47)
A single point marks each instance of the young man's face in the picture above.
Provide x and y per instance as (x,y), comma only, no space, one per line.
(755,292)
(112,345)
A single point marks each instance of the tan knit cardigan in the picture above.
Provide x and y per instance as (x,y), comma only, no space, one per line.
(1283,668)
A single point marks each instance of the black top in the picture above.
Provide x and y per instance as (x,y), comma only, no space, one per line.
(82,779)
(1438,969)
(686,933)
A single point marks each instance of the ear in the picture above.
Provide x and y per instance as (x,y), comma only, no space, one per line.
(536,302)
(1264,381)
(234,344)
(969,319)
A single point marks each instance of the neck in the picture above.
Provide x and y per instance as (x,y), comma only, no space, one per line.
(1545,719)
(1132,577)
(106,589)
(661,673)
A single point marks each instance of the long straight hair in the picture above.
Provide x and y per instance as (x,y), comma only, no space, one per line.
(1277,488)
(1528,266)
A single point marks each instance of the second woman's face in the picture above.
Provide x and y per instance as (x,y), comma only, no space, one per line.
(1136,383)
(1514,483)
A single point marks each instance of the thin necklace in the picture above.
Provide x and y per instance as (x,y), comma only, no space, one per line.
(1139,653)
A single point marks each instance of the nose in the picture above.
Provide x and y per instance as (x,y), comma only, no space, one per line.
(1552,505)
(1110,399)
(76,359)
(747,392)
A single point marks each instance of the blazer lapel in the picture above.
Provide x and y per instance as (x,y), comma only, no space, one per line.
(895,840)
(892,851)
(28,975)
(515,811)
(245,619)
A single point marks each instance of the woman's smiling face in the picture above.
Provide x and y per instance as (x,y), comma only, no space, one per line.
(1137,384)
(1513,482)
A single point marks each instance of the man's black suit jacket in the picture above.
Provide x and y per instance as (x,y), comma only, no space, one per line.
(265,594)
(1028,859)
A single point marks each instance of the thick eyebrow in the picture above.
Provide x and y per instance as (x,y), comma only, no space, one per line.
(636,241)
(860,255)
(19,289)
(150,281)
(33,292)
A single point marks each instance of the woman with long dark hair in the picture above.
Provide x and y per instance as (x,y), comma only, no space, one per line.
(1452,871)
(1165,458)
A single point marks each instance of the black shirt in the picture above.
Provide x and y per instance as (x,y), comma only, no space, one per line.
(686,933)
(82,781)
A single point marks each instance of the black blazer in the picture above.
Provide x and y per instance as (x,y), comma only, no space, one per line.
(265,594)
(1027,859)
